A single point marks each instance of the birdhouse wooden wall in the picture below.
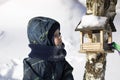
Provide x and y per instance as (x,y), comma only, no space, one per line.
(95,40)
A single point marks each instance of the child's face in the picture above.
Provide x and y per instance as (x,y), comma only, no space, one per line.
(57,38)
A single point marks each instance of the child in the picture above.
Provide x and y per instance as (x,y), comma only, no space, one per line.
(46,60)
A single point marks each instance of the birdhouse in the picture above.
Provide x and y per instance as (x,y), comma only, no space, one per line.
(95,34)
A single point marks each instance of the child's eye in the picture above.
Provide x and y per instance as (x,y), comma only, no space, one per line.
(57,35)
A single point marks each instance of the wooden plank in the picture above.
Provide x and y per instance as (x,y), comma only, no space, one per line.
(110,37)
(81,37)
(101,38)
(91,46)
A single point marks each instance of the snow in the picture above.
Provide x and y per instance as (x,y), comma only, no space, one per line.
(1,34)
(11,71)
(14,17)
(92,21)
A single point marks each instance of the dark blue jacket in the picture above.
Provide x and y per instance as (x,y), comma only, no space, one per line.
(37,69)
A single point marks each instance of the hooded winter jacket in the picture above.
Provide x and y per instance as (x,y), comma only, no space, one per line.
(45,61)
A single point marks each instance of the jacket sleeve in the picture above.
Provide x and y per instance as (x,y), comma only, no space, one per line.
(67,73)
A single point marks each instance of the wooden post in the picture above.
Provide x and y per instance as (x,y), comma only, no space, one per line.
(110,37)
(101,38)
(81,40)
(95,66)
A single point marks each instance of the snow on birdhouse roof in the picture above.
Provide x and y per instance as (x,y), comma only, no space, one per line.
(92,21)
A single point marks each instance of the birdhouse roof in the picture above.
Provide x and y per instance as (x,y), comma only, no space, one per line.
(92,22)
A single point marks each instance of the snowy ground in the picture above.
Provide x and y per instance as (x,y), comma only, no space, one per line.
(14,16)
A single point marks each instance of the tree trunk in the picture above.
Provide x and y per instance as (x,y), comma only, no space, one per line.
(95,66)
